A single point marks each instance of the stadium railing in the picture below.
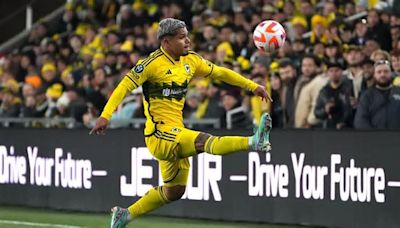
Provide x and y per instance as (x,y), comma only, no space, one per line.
(28,12)
(72,123)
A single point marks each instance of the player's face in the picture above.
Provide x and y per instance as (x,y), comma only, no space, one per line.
(180,43)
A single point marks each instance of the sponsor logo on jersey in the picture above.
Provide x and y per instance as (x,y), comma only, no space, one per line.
(166,90)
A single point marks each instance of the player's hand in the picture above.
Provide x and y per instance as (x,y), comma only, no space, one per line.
(100,126)
(262,92)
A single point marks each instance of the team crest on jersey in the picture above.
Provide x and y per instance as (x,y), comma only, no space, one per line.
(139,68)
(187,68)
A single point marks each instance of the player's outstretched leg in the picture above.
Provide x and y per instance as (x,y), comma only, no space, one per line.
(119,218)
(260,139)
(223,145)
(155,198)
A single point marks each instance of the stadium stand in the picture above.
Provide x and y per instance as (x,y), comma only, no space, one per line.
(67,68)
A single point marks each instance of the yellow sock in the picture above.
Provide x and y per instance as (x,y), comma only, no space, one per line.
(226,144)
(153,199)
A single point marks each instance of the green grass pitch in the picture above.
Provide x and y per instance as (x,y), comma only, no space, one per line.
(13,217)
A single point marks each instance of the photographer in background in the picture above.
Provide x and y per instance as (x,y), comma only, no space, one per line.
(333,103)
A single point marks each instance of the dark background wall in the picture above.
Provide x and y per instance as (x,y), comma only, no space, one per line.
(265,193)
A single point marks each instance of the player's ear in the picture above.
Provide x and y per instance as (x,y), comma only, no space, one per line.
(164,41)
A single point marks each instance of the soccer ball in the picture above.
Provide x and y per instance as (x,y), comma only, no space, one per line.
(269,36)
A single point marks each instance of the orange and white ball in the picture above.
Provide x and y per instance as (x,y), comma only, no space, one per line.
(269,35)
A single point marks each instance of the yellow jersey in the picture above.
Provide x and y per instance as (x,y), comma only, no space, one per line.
(165,81)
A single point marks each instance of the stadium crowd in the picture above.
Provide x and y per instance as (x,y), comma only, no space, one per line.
(325,76)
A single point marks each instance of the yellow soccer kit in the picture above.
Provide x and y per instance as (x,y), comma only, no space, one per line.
(164,81)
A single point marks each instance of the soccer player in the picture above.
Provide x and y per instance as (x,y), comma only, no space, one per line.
(164,76)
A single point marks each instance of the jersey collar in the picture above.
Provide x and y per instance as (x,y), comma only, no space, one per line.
(167,55)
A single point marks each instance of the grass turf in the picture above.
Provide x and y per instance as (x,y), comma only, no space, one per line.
(33,217)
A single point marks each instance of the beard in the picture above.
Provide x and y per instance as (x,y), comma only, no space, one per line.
(355,64)
(383,83)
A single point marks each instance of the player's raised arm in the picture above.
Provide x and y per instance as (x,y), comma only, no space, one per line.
(208,69)
(233,78)
(131,81)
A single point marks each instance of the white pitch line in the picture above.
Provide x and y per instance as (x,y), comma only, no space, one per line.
(238,178)
(393,183)
(99,173)
(13,222)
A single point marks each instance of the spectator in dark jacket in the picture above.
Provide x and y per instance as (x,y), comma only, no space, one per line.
(378,30)
(231,102)
(288,74)
(361,30)
(333,103)
(379,107)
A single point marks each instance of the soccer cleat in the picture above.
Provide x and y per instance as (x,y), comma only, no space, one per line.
(260,139)
(119,217)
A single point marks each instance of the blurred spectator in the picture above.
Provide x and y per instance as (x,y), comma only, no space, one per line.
(307,11)
(367,74)
(53,92)
(288,76)
(224,50)
(319,50)
(379,106)
(333,52)
(298,48)
(349,9)
(97,42)
(191,104)
(131,107)
(370,46)
(214,106)
(49,75)
(378,30)
(69,21)
(231,102)
(256,105)
(333,105)
(26,60)
(354,58)
(319,32)
(395,33)
(395,60)
(201,89)
(277,111)
(309,69)
(305,115)
(298,26)
(346,33)
(37,33)
(361,29)
(380,55)
(10,103)
(208,40)
(126,20)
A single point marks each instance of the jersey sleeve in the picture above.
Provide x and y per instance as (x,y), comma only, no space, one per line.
(132,80)
(204,68)
(233,78)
